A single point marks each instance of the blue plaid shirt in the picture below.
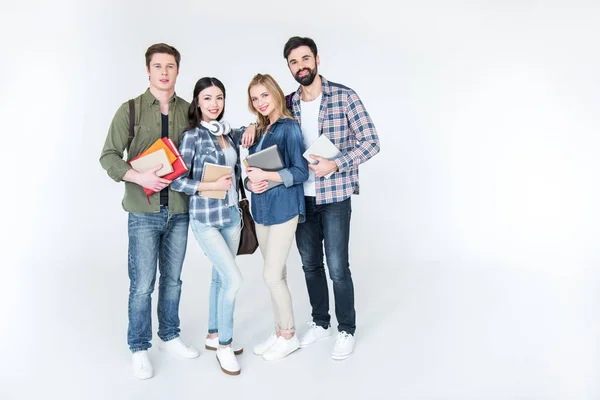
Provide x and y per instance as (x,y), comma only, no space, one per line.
(197,147)
(345,121)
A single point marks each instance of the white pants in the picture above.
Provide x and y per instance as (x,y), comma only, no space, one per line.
(275,242)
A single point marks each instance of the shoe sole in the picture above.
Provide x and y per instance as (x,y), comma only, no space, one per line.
(339,358)
(316,341)
(232,373)
(162,349)
(280,358)
(143,377)
(236,352)
(261,353)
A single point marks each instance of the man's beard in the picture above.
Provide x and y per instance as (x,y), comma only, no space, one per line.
(306,80)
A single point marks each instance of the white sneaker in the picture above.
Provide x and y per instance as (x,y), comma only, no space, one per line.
(142,367)
(213,344)
(281,348)
(344,346)
(260,348)
(229,364)
(179,348)
(314,334)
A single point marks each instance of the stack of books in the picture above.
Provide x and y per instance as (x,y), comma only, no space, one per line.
(164,152)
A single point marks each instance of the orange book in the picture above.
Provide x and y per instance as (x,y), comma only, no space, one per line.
(159,144)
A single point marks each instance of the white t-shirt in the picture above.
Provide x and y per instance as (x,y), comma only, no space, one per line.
(309,116)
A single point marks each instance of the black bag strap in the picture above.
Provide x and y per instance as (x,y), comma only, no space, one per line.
(131,123)
(242,191)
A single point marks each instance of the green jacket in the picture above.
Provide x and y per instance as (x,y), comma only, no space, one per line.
(147,130)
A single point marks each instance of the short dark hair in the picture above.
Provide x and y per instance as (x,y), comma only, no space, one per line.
(297,41)
(162,48)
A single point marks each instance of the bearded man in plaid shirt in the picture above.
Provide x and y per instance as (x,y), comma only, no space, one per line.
(326,108)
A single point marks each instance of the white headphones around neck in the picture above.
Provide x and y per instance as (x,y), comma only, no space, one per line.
(217,128)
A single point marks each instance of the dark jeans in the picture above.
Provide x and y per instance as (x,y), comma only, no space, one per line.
(329,223)
(155,238)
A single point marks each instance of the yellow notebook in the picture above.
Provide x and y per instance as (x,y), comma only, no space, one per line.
(212,173)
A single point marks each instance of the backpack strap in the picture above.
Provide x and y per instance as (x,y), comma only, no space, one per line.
(131,123)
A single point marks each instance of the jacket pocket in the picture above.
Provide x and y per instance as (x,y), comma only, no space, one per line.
(208,150)
(208,154)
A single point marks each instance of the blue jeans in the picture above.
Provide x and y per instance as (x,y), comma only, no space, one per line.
(220,244)
(328,223)
(155,238)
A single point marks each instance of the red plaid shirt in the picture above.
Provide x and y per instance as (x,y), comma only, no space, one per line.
(345,121)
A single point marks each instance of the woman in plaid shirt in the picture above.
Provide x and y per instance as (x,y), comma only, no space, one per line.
(216,223)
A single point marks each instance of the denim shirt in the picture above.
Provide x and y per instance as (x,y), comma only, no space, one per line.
(197,147)
(283,202)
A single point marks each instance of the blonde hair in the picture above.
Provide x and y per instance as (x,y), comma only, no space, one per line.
(275,91)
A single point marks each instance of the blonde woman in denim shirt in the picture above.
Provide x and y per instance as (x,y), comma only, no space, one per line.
(216,223)
(276,211)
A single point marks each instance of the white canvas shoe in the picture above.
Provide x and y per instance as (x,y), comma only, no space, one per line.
(260,348)
(142,367)
(314,334)
(282,348)
(228,361)
(213,344)
(179,348)
(344,346)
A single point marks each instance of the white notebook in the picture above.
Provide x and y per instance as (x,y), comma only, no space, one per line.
(322,147)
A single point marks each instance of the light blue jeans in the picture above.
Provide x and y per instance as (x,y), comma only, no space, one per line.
(220,244)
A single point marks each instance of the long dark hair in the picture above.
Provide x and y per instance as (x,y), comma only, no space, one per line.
(194,114)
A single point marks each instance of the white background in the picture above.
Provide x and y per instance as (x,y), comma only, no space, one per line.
(474,244)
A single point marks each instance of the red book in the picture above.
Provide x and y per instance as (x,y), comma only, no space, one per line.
(179,167)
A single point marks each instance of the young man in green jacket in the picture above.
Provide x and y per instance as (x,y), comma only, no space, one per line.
(158,225)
